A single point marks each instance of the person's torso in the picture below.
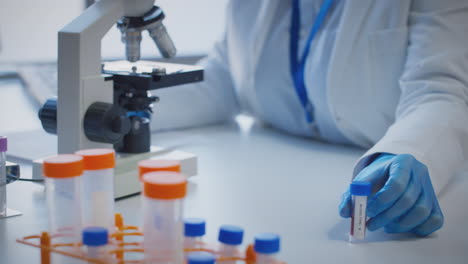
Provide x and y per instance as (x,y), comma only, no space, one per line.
(351,72)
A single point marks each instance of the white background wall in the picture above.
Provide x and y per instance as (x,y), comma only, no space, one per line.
(28,28)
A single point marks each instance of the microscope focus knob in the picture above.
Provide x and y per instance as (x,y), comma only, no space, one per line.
(106,123)
(48,116)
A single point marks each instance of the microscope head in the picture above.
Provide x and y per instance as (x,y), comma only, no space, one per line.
(131,28)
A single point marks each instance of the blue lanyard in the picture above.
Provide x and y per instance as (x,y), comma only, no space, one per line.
(298,64)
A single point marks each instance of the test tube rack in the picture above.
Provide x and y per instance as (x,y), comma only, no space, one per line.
(119,248)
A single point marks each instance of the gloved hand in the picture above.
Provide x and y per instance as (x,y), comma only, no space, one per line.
(403,199)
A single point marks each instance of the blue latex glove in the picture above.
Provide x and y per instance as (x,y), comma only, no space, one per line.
(403,199)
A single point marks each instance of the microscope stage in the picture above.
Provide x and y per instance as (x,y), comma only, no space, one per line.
(152,75)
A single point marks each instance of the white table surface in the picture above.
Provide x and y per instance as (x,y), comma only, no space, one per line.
(264,181)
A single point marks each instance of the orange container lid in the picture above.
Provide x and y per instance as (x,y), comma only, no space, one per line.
(152,165)
(63,166)
(165,185)
(97,159)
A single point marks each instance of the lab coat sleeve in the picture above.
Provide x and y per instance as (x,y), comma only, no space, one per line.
(432,115)
(210,101)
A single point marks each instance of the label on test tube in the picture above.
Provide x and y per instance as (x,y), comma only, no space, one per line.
(360,191)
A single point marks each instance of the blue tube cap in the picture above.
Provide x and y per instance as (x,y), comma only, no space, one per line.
(200,258)
(360,188)
(267,243)
(95,236)
(194,227)
(231,235)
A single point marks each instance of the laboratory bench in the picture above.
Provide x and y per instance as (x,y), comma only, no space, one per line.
(260,179)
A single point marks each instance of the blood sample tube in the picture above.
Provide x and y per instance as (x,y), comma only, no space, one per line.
(266,247)
(201,258)
(230,238)
(163,194)
(194,230)
(360,190)
(95,239)
(98,187)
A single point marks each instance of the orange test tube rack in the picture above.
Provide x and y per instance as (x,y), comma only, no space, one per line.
(118,247)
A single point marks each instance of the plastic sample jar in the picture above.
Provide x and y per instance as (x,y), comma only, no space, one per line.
(194,230)
(201,258)
(95,239)
(266,247)
(3,176)
(151,165)
(98,187)
(162,199)
(230,238)
(62,176)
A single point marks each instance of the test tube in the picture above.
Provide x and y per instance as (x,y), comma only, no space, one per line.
(266,247)
(194,230)
(152,165)
(98,187)
(3,176)
(230,238)
(95,239)
(201,257)
(360,190)
(62,176)
(162,200)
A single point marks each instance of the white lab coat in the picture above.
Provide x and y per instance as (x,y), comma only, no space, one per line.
(397,80)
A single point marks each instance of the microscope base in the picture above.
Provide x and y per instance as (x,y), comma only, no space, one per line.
(10,213)
(126,181)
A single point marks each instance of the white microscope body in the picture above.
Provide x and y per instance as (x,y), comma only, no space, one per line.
(82,83)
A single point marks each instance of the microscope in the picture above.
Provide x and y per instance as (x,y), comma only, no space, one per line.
(103,105)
